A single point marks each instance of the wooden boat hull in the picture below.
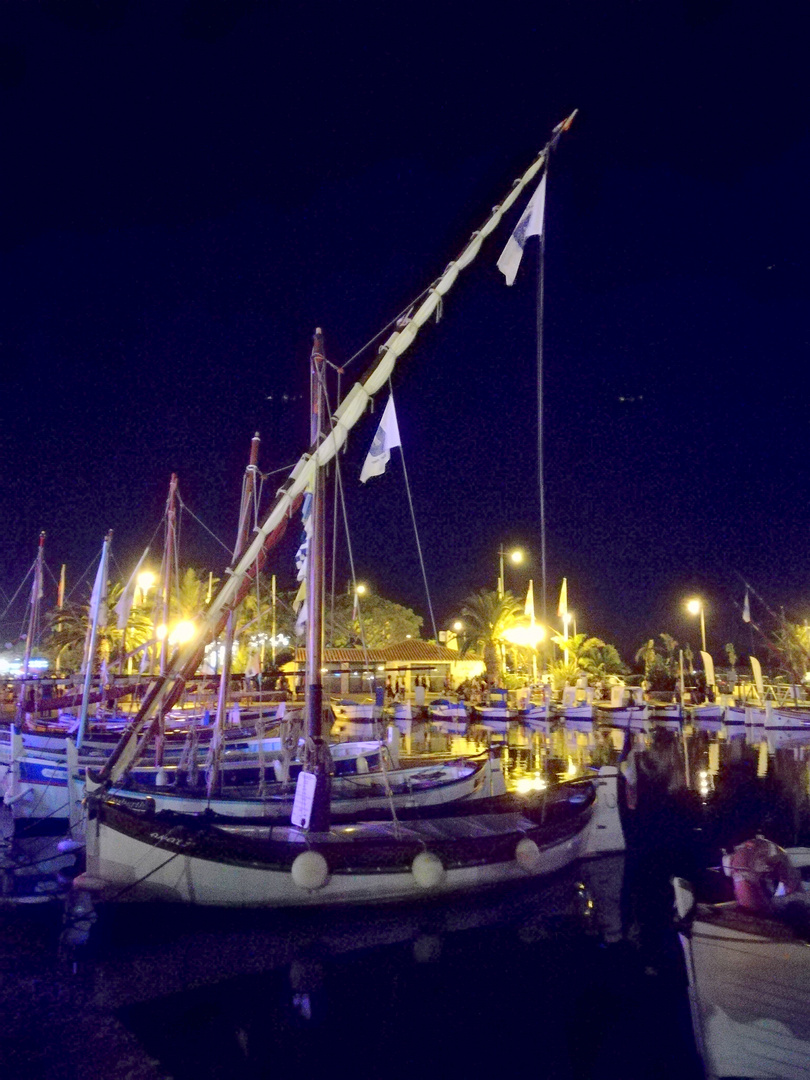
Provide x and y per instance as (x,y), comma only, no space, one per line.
(352,797)
(136,856)
(749,986)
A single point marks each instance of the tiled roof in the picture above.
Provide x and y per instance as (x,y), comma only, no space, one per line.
(344,656)
(415,650)
(411,651)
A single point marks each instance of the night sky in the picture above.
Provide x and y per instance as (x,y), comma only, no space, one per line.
(188,189)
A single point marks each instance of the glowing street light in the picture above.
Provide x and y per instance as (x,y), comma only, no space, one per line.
(145,580)
(516,557)
(695,607)
(525,637)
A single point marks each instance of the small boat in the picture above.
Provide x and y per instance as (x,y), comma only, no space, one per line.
(633,718)
(790,718)
(536,717)
(355,719)
(496,715)
(358,795)
(709,716)
(449,716)
(748,965)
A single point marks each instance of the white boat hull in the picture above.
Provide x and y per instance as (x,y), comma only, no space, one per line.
(366,863)
(749,984)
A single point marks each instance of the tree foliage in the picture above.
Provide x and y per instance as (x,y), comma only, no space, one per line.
(791,644)
(586,656)
(486,615)
(376,621)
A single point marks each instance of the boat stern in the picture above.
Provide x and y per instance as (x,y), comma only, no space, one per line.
(604,834)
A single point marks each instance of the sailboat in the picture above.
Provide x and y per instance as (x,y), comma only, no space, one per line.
(137,854)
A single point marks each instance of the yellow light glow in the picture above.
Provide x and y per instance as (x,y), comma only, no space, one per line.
(694,606)
(458,626)
(516,556)
(572,769)
(181,632)
(526,637)
(360,590)
(146,579)
(161,631)
(530,783)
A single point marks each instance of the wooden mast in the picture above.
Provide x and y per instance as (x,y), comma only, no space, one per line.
(225,670)
(318,760)
(33,622)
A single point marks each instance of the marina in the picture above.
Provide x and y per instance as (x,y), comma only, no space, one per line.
(137,986)
(405,654)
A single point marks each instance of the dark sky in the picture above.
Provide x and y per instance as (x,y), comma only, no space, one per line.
(189,188)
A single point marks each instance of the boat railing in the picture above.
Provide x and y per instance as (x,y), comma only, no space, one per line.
(780,694)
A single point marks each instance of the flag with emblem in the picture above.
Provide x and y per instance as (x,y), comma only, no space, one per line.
(385,438)
(530,224)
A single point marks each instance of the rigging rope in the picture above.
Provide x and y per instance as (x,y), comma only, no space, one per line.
(416,532)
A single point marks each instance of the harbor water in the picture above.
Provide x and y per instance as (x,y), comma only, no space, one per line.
(577,976)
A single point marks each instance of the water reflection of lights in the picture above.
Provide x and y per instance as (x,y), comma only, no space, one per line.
(531,783)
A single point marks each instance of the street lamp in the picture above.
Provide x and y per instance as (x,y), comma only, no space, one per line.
(695,607)
(145,580)
(515,556)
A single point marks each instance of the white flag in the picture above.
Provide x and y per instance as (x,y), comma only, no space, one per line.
(300,606)
(756,671)
(530,224)
(124,605)
(529,606)
(708,667)
(746,608)
(386,437)
(562,607)
(98,599)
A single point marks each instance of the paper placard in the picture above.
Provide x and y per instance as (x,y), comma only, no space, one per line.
(304,796)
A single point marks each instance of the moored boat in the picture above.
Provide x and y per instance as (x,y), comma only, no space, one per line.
(135,855)
(748,965)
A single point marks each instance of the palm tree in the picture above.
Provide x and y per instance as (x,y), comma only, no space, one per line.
(586,655)
(670,644)
(731,653)
(486,615)
(647,656)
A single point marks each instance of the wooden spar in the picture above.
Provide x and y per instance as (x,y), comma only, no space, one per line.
(164,692)
(98,605)
(289,498)
(317,752)
(33,620)
(169,551)
(225,673)
(169,556)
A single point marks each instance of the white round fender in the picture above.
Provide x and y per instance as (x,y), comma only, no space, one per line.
(310,870)
(527,855)
(427,869)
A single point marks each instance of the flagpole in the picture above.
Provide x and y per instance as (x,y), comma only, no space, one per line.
(540,463)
